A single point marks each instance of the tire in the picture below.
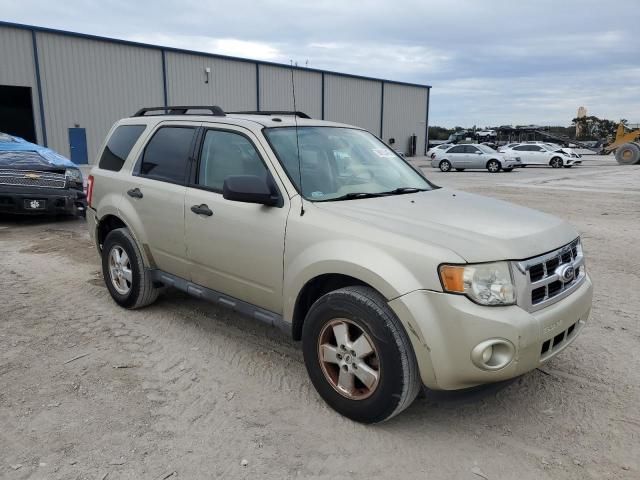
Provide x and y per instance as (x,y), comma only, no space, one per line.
(445,166)
(628,154)
(493,166)
(556,162)
(459,169)
(363,314)
(510,169)
(140,291)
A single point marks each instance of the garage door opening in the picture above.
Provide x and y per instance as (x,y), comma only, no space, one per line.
(16,112)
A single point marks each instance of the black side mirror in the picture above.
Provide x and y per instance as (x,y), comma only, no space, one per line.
(250,189)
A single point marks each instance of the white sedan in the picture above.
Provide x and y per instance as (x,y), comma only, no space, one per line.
(543,154)
(466,156)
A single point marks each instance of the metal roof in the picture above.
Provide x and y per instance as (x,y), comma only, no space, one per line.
(35,28)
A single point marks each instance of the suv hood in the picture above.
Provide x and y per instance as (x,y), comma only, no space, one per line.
(477,228)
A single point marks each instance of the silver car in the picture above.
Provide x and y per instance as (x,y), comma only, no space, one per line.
(462,157)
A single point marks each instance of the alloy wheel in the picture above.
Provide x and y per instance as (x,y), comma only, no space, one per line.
(120,270)
(348,359)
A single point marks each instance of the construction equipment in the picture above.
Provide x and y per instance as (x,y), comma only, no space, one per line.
(626,145)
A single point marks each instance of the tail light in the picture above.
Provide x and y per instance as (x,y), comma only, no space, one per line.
(89,190)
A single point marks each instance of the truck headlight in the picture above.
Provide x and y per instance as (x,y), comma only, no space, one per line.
(73,175)
(484,283)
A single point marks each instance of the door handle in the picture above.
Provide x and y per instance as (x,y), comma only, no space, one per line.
(135,193)
(202,210)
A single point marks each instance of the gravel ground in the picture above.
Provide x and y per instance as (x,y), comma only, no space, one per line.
(184,389)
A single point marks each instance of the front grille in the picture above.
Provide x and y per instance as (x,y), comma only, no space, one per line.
(552,345)
(541,283)
(23,178)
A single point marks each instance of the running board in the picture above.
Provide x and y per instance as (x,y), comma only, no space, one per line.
(240,306)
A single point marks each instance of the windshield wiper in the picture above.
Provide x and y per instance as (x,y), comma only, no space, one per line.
(356,195)
(401,190)
(353,196)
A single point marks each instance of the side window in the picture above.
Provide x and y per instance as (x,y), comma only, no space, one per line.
(471,149)
(119,145)
(535,148)
(165,156)
(458,149)
(521,148)
(224,154)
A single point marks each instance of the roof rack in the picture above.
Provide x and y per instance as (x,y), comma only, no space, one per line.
(180,110)
(273,112)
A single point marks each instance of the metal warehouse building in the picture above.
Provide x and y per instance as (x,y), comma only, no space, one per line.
(64,90)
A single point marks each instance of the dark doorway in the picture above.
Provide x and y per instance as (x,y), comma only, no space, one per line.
(16,112)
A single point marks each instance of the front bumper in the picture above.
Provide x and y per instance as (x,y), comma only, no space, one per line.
(445,328)
(56,200)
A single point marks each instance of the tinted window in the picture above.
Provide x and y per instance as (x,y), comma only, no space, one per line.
(535,148)
(119,145)
(458,149)
(225,154)
(165,156)
(470,149)
(521,148)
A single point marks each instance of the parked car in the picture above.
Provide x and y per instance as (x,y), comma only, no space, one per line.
(438,149)
(389,281)
(506,147)
(36,180)
(462,157)
(541,154)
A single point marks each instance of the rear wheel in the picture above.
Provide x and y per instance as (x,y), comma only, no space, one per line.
(128,282)
(493,166)
(628,154)
(358,355)
(556,162)
(445,166)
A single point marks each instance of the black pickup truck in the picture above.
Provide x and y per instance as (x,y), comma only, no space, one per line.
(36,180)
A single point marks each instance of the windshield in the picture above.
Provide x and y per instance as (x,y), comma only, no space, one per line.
(342,163)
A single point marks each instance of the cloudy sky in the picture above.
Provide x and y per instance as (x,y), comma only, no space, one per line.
(490,62)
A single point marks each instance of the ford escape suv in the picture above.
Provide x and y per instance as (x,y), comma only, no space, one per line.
(319,228)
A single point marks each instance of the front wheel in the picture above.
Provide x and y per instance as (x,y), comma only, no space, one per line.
(358,355)
(128,282)
(493,166)
(556,162)
(445,165)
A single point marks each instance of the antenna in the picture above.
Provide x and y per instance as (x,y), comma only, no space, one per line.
(295,119)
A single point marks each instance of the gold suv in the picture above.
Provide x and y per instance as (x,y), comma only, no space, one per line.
(321,229)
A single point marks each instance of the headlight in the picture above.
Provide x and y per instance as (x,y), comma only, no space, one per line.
(484,283)
(73,174)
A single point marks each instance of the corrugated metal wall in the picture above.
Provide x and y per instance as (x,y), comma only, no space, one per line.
(232,84)
(92,84)
(17,67)
(404,115)
(276,92)
(353,100)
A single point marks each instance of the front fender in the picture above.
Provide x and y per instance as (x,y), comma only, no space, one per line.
(367,263)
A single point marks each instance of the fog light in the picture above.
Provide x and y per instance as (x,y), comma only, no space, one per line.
(493,354)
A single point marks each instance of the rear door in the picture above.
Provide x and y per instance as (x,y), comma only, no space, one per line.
(235,248)
(523,152)
(456,155)
(153,196)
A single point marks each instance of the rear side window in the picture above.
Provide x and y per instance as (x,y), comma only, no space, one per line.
(165,156)
(119,145)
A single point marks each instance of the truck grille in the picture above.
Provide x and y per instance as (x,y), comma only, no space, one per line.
(547,279)
(25,178)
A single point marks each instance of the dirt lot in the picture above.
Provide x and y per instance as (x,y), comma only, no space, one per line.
(184,389)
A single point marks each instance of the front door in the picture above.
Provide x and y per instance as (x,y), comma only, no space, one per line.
(234,248)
